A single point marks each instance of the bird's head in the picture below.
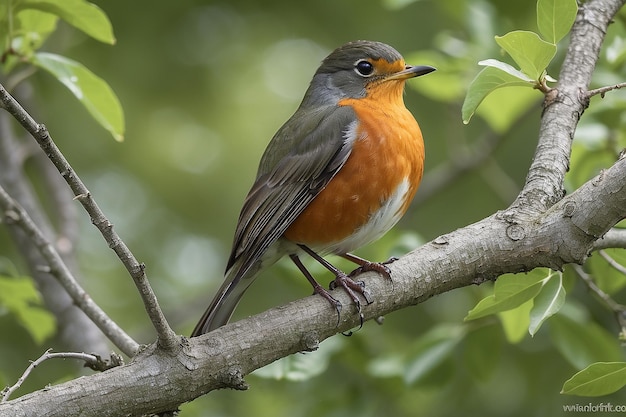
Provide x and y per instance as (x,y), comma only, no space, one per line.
(362,69)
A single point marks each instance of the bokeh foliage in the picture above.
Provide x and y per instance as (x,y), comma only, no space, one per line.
(204,85)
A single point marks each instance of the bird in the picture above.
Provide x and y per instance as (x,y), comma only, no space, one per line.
(336,176)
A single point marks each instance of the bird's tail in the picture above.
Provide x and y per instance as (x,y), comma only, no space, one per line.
(221,308)
(236,282)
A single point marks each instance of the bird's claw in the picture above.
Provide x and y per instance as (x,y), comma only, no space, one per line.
(351,332)
(332,300)
(379,267)
(352,288)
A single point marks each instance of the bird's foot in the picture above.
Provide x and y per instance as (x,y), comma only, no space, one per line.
(367,266)
(352,288)
(336,304)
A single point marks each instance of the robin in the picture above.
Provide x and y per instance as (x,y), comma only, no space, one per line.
(339,174)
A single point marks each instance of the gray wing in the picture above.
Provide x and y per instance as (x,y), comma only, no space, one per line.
(304,155)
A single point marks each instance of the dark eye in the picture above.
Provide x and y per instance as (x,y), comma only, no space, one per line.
(364,68)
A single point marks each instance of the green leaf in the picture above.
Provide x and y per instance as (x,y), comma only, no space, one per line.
(510,291)
(20,297)
(300,367)
(17,293)
(504,106)
(529,51)
(390,365)
(555,18)
(431,350)
(39,322)
(30,30)
(597,379)
(93,92)
(503,66)
(548,301)
(488,80)
(515,322)
(582,342)
(81,14)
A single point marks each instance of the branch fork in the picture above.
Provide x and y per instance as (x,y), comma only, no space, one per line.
(541,228)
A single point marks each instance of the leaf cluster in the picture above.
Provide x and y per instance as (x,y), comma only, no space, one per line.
(531,51)
(24,27)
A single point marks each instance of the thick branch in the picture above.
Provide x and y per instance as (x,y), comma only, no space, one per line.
(564,106)
(158,381)
(550,232)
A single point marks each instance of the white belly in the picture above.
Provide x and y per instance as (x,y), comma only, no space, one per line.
(378,224)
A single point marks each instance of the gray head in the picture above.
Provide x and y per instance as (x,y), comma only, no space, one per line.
(346,56)
(356,67)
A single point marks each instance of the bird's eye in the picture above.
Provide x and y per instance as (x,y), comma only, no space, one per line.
(364,68)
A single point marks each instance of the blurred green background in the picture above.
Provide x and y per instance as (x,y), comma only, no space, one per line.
(204,85)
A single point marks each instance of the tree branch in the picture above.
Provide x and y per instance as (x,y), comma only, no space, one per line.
(603,90)
(221,358)
(166,336)
(564,105)
(542,228)
(618,309)
(76,330)
(91,361)
(614,238)
(13,213)
(614,264)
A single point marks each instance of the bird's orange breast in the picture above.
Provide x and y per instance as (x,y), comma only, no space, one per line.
(387,154)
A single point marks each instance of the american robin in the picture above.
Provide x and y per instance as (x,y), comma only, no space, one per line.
(338,175)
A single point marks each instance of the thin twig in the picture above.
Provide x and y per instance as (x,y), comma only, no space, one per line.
(608,300)
(15,214)
(75,329)
(603,90)
(91,361)
(616,265)
(166,336)
(618,309)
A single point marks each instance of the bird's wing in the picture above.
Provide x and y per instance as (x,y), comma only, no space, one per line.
(304,155)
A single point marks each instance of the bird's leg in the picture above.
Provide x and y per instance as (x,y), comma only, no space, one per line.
(366,266)
(342,280)
(317,288)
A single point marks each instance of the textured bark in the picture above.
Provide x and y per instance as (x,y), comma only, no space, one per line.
(157,380)
(541,228)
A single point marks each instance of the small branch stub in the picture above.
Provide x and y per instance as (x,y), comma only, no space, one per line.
(515,232)
(569,209)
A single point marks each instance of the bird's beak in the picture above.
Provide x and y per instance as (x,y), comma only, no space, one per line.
(411,72)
